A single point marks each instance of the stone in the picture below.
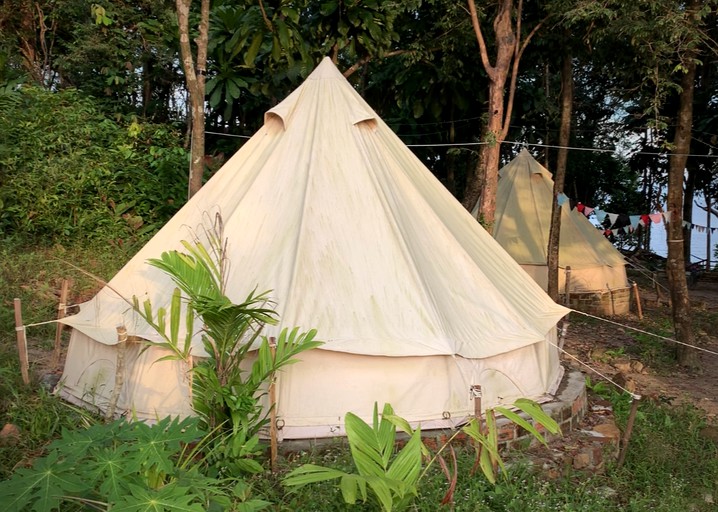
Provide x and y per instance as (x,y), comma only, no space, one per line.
(608,432)
(599,354)
(49,381)
(625,382)
(581,460)
(637,366)
(622,365)
(9,435)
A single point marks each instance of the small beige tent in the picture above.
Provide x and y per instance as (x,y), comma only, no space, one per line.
(326,207)
(597,279)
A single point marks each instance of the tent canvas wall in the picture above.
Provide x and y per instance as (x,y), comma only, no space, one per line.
(523,221)
(326,207)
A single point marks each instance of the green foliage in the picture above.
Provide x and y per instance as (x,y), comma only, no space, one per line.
(122,466)
(654,351)
(226,391)
(391,479)
(394,479)
(486,436)
(70,174)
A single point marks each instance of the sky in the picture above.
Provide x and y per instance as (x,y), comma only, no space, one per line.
(698,240)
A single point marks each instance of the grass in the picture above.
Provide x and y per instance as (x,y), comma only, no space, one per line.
(671,464)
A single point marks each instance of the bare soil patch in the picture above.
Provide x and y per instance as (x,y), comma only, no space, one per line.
(641,363)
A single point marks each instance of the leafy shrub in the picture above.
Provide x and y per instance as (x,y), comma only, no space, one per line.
(392,481)
(124,466)
(226,394)
(69,173)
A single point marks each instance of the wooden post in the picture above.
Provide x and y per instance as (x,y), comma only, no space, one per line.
(567,287)
(21,342)
(119,372)
(273,411)
(637,298)
(629,430)
(476,394)
(61,310)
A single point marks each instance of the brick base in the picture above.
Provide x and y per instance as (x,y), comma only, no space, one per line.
(604,303)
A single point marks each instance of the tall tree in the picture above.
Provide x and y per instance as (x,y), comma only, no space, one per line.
(560,175)
(676,265)
(509,48)
(195,71)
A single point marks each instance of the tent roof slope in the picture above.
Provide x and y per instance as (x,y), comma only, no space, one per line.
(523,220)
(353,235)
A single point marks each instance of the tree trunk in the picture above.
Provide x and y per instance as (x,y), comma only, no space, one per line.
(195,81)
(676,263)
(560,175)
(688,196)
(483,182)
(488,166)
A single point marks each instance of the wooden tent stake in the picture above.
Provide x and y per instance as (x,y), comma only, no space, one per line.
(21,342)
(61,311)
(629,431)
(119,372)
(273,449)
(637,298)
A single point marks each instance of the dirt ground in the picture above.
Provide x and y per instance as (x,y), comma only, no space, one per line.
(640,365)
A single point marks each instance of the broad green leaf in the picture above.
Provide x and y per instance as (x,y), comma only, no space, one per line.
(41,487)
(170,498)
(310,473)
(110,467)
(349,484)
(386,434)
(382,488)
(535,411)
(175,312)
(406,466)
(232,90)
(487,467)
(364,446)
(283,33)
(251,54)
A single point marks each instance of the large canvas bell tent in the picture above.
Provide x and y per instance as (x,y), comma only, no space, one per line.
(329,210)
(522,223)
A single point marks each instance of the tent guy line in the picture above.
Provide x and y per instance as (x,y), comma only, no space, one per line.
(696,347)
(647,332)
(552,146)
(633,395)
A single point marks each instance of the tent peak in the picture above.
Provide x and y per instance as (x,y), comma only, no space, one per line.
(326,87)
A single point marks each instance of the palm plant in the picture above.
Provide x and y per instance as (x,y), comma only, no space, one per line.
(228,383)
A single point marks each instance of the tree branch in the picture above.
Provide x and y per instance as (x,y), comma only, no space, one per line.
(520,47)
(361,62)
(264,16)
(490,70)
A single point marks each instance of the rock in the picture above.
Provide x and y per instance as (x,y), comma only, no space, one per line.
(49,381)
(622,365)
(609,430)
(637,366)
(9,435)
(599,354)
(581,460)
(625,382)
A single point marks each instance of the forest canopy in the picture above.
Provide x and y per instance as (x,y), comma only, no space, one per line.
(96,128)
